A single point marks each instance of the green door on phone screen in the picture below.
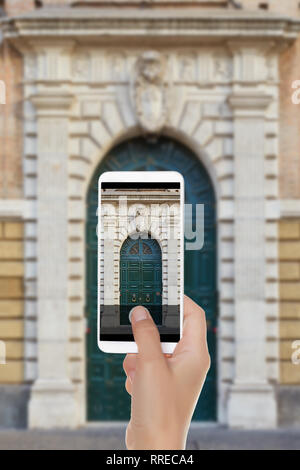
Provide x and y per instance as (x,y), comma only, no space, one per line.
(141,274)
(140,277)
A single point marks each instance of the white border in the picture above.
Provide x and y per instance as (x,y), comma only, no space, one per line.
(135,177)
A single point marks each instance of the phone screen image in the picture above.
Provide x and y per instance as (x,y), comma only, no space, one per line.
(140,258)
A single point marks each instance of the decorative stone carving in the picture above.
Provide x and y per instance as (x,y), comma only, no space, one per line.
(30,67)
(187,68)
(149,91)
(271,66)
(117,68)
(222,68)
(81,67)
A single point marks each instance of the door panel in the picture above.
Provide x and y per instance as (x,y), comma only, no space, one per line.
(148,276)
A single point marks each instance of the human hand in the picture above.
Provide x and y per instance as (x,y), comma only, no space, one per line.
(164,389)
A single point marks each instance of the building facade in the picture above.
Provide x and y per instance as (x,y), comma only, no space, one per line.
(219,75)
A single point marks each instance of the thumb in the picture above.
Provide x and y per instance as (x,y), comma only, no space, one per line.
(146,334)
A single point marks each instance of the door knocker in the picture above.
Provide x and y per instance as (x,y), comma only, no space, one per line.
(147,297)
(133,298)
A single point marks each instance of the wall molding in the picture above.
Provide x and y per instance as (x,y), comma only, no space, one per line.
(15,209)
(289,208)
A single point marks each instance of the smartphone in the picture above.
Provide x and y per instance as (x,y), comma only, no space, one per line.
(140,255)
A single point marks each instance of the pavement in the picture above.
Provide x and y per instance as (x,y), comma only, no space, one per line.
(111,437)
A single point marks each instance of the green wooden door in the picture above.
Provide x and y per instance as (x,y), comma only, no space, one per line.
(140,278)
(106,396)
(106,399)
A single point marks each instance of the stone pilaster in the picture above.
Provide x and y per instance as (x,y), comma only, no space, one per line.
(52,402)
(251,399)
(110,281)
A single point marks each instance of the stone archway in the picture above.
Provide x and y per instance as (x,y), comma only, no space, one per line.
(200,268)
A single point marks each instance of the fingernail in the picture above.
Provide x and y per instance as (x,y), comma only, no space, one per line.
(131,375)
(138,313)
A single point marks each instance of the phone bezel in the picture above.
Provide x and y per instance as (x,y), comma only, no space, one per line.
(136,177)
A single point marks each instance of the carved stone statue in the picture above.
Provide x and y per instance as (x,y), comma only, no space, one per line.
(149,91)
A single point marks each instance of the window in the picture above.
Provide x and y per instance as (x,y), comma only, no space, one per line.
(146,249)
(134,250)
(263,6)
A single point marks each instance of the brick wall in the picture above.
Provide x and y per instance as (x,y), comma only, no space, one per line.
(289,142)
(289,271)
(17,7)
(11,113)
(11,131)
(11,300)
(286,7)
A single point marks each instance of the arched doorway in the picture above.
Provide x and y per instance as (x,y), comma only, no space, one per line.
(106,395)
(140,277)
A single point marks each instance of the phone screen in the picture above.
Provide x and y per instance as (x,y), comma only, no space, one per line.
(139,257)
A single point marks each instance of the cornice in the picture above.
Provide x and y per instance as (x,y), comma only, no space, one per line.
(52,104)
(249,101)
(107,24)
(52,100)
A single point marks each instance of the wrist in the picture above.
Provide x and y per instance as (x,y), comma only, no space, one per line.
(166,441)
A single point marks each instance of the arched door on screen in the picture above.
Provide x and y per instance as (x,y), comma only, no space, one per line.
(140,277)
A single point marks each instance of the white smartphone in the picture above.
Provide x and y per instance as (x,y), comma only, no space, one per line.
(140,256)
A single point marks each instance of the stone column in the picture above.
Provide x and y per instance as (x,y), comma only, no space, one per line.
(171,319)
(251,399)
(52,402)
(111,317)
